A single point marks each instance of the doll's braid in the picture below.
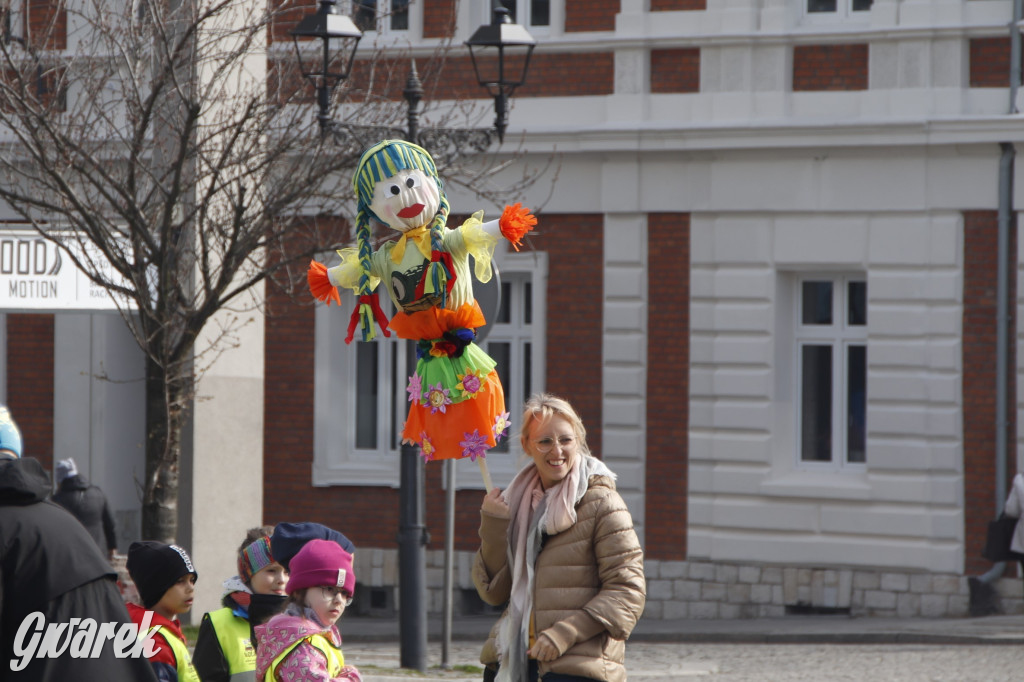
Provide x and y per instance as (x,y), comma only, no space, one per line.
(366,322)
(438,273)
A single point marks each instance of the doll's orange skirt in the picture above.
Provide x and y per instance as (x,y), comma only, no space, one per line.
(466,428)
(463,429)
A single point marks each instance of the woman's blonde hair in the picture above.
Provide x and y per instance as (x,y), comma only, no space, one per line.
(543,406)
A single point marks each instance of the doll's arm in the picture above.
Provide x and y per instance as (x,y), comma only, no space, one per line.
(323,281)
(479,238)
(516,220)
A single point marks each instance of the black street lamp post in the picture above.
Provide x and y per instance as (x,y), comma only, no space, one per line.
(489,46)
(339,38)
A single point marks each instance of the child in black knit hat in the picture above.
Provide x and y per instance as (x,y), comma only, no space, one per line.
(166,580)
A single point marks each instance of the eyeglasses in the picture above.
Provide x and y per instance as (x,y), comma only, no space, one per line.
(546,445)
(331,593)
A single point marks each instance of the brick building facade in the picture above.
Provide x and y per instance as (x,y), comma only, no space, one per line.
(730,176)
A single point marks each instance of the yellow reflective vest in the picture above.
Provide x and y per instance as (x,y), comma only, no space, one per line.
(235,638)
(335,659)
(186,671)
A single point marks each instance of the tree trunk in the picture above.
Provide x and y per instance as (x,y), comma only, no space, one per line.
(166,396)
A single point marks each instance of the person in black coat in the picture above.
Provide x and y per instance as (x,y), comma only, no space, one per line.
(87,503)
(52,573)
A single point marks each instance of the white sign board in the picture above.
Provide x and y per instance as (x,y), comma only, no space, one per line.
(35,274)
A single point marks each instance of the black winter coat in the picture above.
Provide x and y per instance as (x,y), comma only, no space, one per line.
(89,505)
(50,564)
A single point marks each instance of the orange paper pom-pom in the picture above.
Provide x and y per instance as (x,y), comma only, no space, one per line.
(320,285)
(516,220)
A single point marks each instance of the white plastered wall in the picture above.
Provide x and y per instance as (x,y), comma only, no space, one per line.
(749,501)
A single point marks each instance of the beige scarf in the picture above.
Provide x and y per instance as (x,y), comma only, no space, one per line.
(535,512)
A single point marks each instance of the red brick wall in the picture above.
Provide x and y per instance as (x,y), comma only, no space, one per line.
(575,313)
(550,75)
(46,22)
(30,382)
(990,62)
(674,5)
(439,18)
(668,340)
(979,381)
(830,67)
(675,70)
(287,15)
(590,15)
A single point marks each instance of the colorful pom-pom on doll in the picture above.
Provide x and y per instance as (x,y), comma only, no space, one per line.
(457,407)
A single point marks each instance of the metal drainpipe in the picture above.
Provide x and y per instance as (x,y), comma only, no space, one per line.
(1005,219)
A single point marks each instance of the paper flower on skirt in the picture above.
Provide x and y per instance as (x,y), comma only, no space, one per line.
(501,425)
(437,399)
(474,445)
(415,388)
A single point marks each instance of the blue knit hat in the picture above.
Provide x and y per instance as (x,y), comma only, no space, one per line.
(289,538)
(10,435)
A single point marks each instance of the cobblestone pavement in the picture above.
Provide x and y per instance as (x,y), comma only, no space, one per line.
(661,662)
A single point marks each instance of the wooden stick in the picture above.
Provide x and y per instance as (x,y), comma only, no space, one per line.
(485,473)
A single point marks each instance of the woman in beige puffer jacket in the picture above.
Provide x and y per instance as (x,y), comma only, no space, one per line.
(559,546)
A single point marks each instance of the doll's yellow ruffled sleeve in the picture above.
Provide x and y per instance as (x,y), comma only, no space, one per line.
(480,245)
(347,273)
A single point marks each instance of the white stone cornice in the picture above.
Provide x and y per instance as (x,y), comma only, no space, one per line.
(863,133)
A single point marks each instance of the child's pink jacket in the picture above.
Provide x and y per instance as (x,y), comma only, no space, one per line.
(305,663)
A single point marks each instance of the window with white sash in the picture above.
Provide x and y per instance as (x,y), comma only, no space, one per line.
(12,21)
(383,16)
(529,13)
(831,371)
(836,9)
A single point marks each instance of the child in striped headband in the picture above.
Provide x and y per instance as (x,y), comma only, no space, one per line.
(226,645)
(255,557)
(457,406)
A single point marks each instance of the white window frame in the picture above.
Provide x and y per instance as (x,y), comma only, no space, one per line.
(383,22)
(844,13)
(516,268)
(336,459)
(840,336)
(14,19)
(523,14)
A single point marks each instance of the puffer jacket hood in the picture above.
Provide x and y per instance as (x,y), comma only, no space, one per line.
(76,482)
(23,482)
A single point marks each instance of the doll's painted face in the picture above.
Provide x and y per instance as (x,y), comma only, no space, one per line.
(406,200)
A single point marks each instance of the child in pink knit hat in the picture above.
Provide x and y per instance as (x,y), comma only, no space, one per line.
(303,643)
